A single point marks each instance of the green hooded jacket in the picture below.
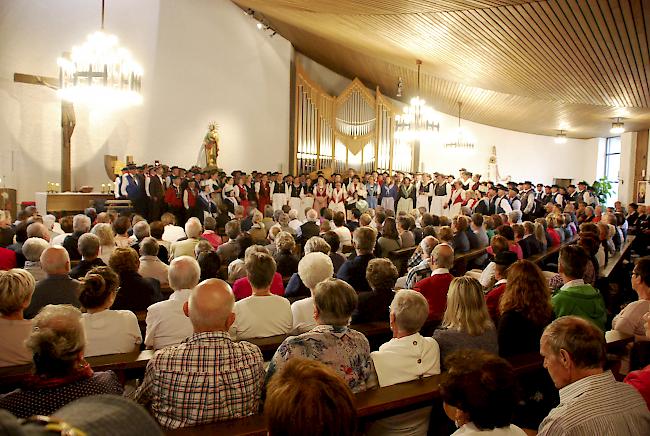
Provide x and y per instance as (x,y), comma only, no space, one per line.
(584,301)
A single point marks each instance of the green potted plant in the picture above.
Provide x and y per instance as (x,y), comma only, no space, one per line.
(602,189)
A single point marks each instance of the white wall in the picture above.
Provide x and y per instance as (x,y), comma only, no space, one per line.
(203,61)
(626,174)
(523,156)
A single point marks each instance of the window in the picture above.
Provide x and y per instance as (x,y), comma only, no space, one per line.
(612,164)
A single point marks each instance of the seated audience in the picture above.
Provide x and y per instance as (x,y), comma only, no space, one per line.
(460,241)
(285,259)
(80,225)
(17,246)
(89,249)
(477,237)
(121,227)
(630,320)
(529,244)
(172,232)
(229,250)
(498,244)
(640,379)
(479,393)
(61,374)
(353,271)
(210,264)
(208,377)
(167,324)
(193,230)
(422,270)
(389,239)
(57,287)
(242,287)
(32,250)
(406,237)
(157,229)
(106,237)
(16,289)
(591,400)
(295,287)
(203,246)
(381,275)
(141,230)
(209,234)
(309,398)
(408,356)
(107,331)
(332,342)
(310,228)
(502,262)
(466,322)
(258,231)
(576,297)
(313,268)
(7,259)
(261,314)
(525,310)
(136,292)
(333,241)
(150,265)
(435,287)
(344,234)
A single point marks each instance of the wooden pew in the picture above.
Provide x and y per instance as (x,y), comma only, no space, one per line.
(541,258)
(617,258)
(462,261)
(370,405)
(400,258)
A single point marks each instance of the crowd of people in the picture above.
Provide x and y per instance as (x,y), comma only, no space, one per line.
(215,260)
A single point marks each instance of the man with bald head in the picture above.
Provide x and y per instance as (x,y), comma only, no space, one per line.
(57,287)
(38,230)
(208,377)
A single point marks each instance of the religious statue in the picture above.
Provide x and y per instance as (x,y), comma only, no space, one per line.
(211,145)
(493,168)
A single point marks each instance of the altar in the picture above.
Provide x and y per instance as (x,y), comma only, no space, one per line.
(58,202)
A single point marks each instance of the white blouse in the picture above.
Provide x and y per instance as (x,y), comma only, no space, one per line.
(111,332)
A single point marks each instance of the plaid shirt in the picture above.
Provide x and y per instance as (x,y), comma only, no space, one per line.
(415,259)
(417,273)
(206,378)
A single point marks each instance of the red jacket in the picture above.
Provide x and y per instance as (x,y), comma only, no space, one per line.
(492,300)
(435,290)
(7,259)
(242,287)
(172,199)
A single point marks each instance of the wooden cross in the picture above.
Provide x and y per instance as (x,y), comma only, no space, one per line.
(68,123)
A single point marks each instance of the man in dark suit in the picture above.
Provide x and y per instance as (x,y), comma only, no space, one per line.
(353,271)
(57,287)
(529,244)
(155,187)
(310,227)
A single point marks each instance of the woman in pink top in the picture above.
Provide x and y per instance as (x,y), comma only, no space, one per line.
(242,287)
(209,235)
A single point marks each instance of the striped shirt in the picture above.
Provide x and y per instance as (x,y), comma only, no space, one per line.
(206,378)
(598,405)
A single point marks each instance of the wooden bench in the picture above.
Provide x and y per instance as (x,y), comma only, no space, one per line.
(541,258)
(372,404)
(616,259)
(462,261)
(400,258)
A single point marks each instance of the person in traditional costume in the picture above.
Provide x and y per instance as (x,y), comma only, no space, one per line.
(320,194)
(278,192)
(441,196)
(241,192)
(388,194)
(355,192)
(337,198)
(457,199)
(190,196)
(372,191)
(263,192)
(174,199)
(307,198)
(296,194)
(423,187)
(407,194)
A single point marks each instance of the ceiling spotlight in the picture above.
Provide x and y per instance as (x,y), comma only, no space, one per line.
(249,12)
(560,138)
(273,34)
(260,26)
(617,127)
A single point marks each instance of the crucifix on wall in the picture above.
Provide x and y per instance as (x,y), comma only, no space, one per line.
(68,123)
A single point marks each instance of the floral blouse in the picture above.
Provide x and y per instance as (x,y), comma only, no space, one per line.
(345,350)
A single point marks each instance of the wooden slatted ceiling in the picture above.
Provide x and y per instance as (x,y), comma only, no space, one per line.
(520,65)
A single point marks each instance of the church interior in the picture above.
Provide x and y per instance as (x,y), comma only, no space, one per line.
(218,121)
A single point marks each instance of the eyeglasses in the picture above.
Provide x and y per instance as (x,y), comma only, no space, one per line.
(634,273)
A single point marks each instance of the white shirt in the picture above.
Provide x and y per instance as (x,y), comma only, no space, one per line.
(167,323)
(470,429)
(261,317)
(173,233)
(303,315)
(345,237)
(111,332)
(151,266)
(488,274)
(58,240)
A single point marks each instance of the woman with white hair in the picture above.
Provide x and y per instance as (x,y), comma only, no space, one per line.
(61,374)
(32,250)
(312,269)
(258,230)
(16,289)
(107,331)
(296,287)
(106,237)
